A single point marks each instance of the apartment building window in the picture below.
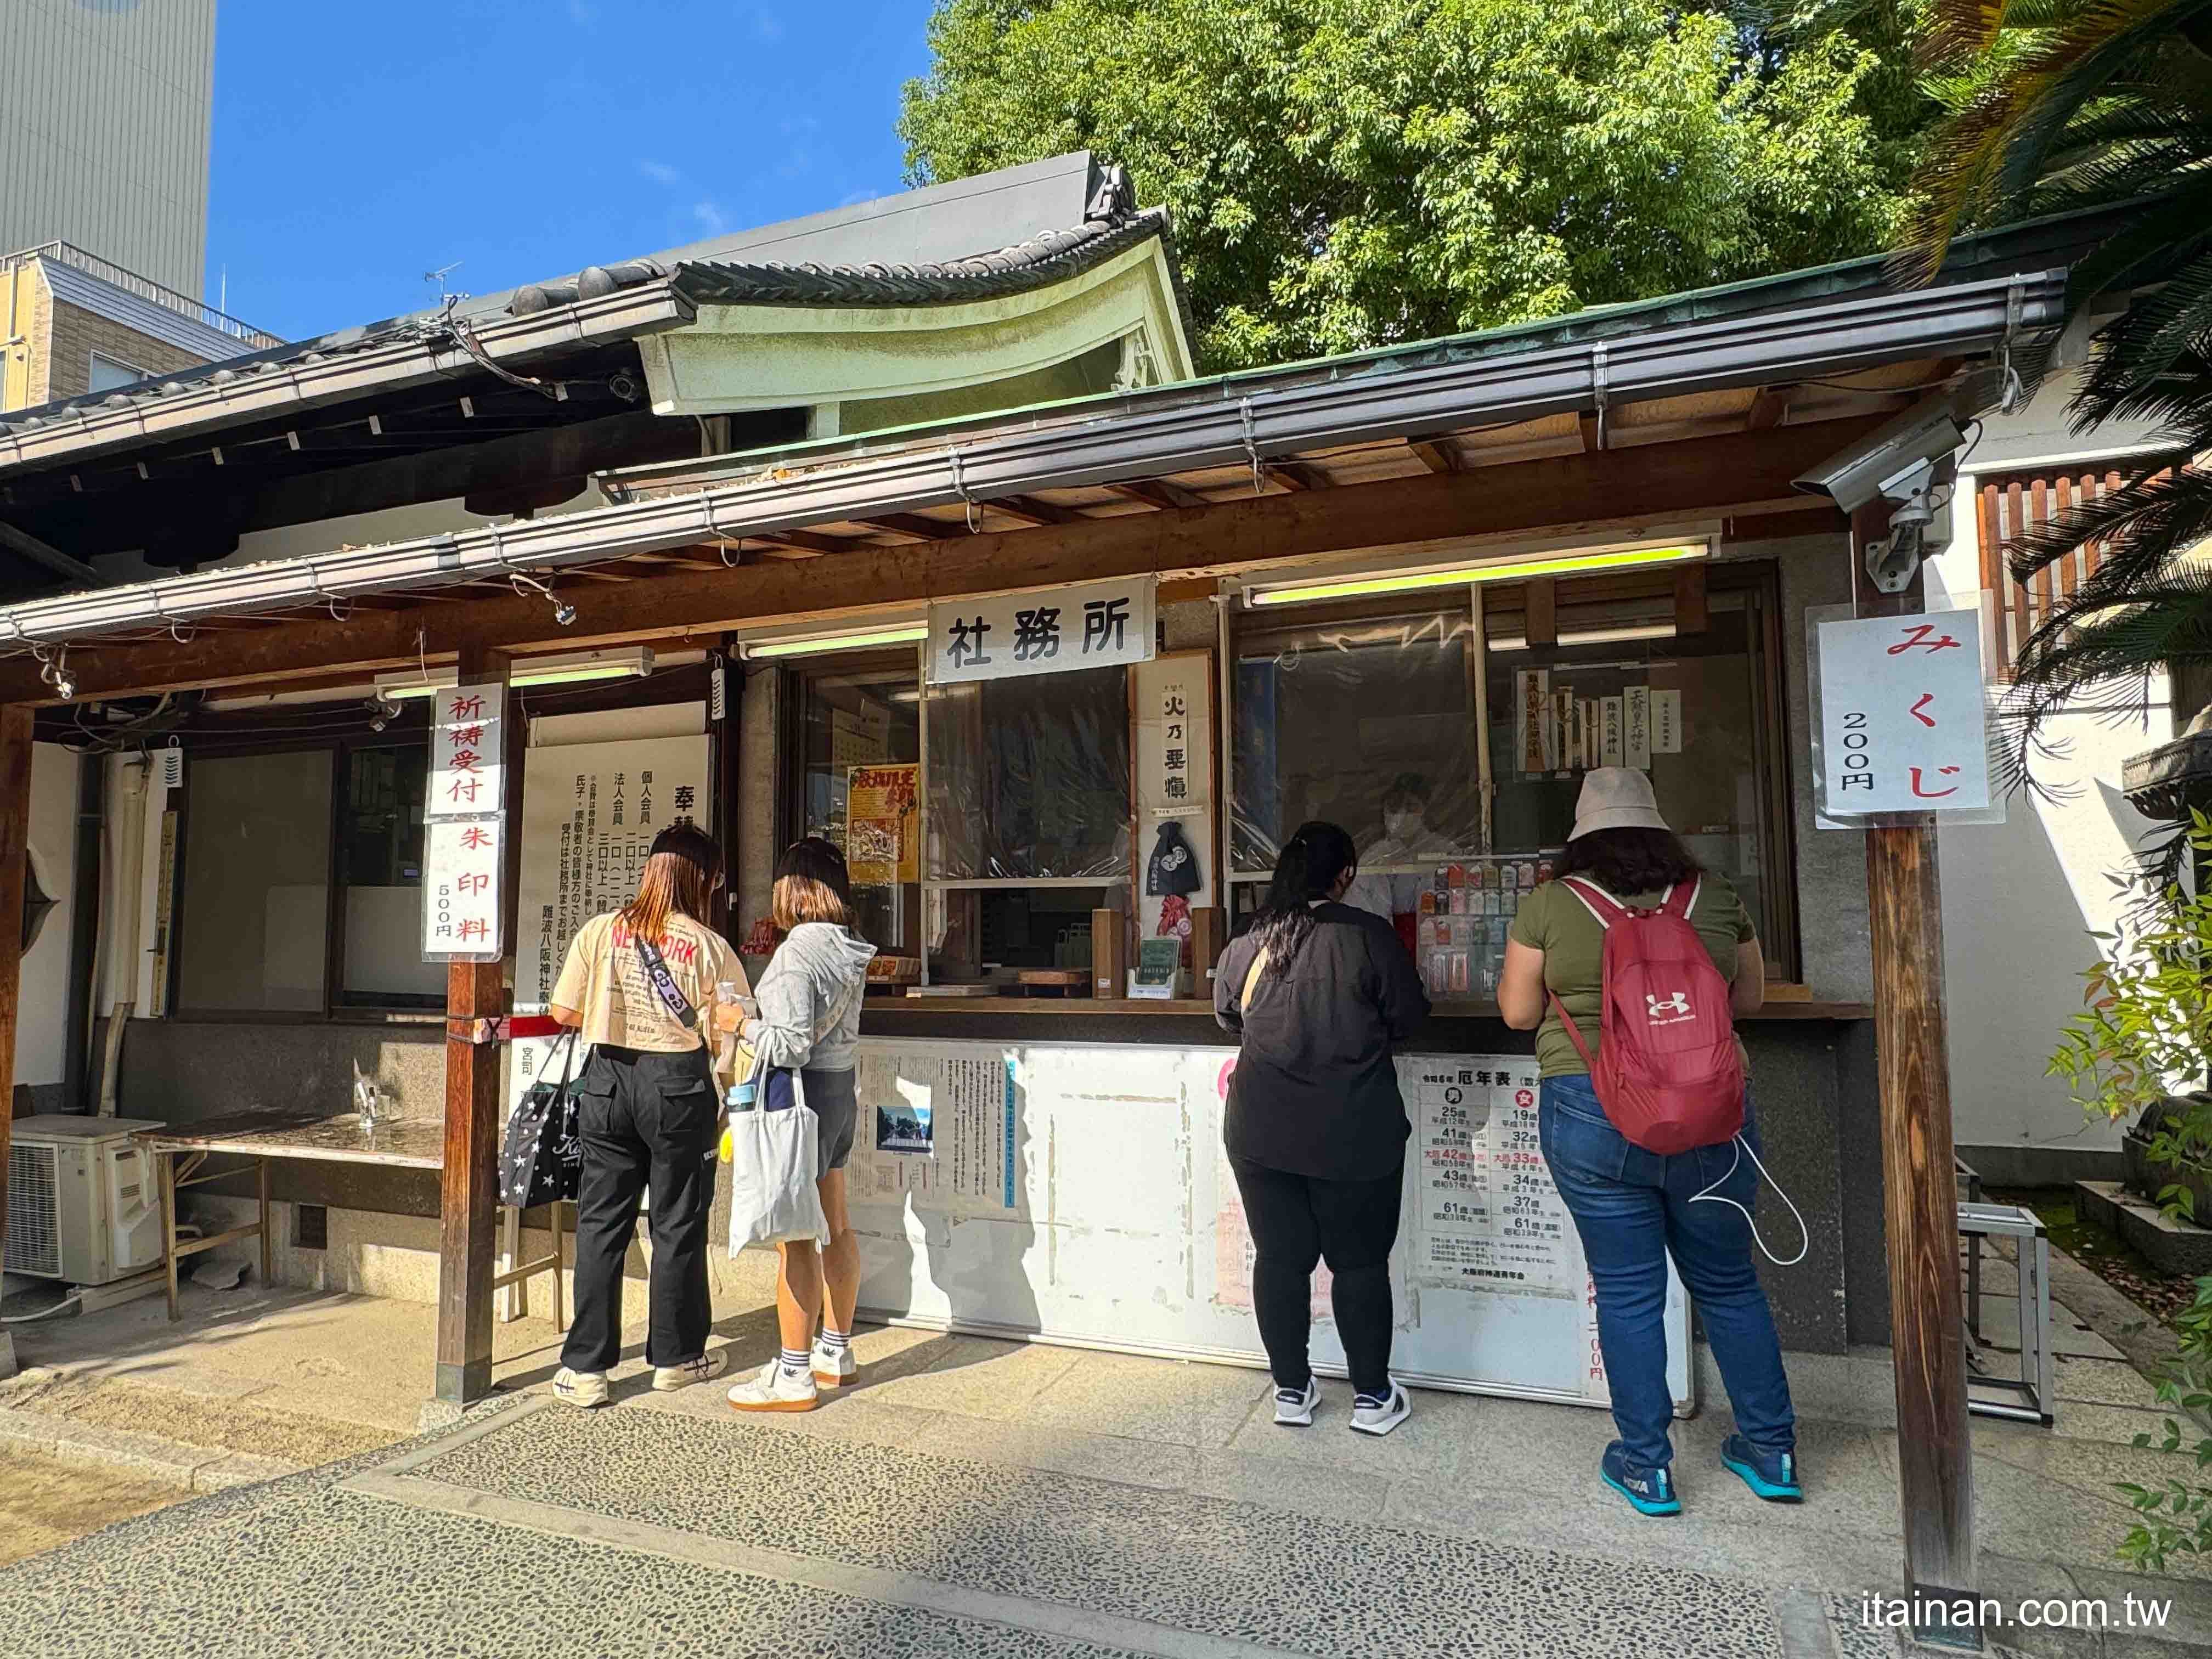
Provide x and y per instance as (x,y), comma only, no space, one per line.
(109,373)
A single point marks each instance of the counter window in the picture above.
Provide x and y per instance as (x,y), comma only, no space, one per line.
(857,744)
(1439,755)
(254,921)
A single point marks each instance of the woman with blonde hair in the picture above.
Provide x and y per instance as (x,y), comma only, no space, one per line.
(640,987)
(810,1022)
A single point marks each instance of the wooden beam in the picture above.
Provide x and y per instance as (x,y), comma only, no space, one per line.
(1539,617)
(1291,475)
(15,852)
(1031,511)
(913,525)
(1692,614)
(1920,1194)
(24,545)
(1716,478)
(1767,409)
(468,1179)
(1159,492)
(1433,454)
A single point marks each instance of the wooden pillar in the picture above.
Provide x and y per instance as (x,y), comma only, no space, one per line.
(15,848)
(468,1182)
(1920,1190)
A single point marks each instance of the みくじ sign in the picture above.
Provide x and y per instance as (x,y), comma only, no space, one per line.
(1904,722)
(1009,635)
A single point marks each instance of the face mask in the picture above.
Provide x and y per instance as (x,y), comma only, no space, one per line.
(1401,826)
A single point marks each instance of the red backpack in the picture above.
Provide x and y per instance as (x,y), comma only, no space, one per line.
(1668,1071)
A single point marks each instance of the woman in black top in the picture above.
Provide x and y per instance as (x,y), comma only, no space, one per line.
(1316,1130)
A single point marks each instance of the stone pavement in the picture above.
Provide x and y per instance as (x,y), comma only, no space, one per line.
(977,1496)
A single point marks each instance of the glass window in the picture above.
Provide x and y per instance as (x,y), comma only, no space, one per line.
(1029,778)
(381,872)
(858,750)
(1365,721)
(109,373)
(256,883)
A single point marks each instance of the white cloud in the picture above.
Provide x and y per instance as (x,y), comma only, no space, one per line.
(710,217)
(660,171)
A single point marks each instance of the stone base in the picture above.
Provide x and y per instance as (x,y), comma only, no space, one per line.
(8,1366)
(2171,1246)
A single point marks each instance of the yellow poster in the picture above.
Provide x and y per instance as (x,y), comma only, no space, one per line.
(882,820)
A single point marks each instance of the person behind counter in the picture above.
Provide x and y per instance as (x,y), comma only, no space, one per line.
(646,1112)
(1318,992)
(1633,1208)
(809,1021)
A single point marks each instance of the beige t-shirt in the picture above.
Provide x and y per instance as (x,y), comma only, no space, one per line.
(603,981)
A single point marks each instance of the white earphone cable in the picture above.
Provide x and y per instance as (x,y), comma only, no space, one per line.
(1709,1196)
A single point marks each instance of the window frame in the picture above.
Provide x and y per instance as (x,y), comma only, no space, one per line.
(1781,930)
(93,355)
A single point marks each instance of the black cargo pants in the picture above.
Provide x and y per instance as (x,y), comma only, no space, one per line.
(646,1119)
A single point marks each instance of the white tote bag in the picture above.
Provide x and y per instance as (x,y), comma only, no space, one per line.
(776,1159)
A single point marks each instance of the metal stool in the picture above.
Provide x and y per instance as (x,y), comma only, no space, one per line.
(2032,1389)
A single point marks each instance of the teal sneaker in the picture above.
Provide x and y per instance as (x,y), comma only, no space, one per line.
(1649,1491)
(1772,1476)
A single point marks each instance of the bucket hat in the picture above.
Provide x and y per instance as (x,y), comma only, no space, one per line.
(1617,798)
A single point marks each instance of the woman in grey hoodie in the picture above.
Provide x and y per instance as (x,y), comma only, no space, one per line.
(809,1021)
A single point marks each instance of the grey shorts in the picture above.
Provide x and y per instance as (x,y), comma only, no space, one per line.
(835,1102)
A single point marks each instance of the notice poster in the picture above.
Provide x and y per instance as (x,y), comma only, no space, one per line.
(1488,1218)
(1635,726)
(1610,743)
(1567,750)
(468,744)
(1666,722)
(1904,725)
(883,823)
(1171,713)
(1534,740)
(461,865)
(937,1127)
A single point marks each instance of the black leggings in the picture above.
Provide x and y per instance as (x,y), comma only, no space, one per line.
(1298,1220)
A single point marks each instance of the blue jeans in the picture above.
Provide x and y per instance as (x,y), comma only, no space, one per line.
(1632,1209)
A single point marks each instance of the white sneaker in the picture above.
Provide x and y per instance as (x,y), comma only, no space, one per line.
(1370,1417)
(582,1389)
(834,1368)
(703,1368)
(1294,1408)
(774,1389)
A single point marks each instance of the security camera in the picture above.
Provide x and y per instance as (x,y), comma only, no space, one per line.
(1901,462)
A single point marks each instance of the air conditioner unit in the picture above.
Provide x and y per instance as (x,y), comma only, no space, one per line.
(82,1204)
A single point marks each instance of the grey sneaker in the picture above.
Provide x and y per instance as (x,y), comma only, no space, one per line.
(703,1368)
(1370,1415)
(582,1389)
(1294,1407)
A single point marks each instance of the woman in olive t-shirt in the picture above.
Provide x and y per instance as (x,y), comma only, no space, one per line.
(1634,1208)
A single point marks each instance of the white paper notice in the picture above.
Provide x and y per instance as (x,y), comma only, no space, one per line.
(461,867)
(1666,722)
(1636,716)
(1490,1218)
(1609,742)
(1533,742)
(1903,722)
(938,1127)
(467,743)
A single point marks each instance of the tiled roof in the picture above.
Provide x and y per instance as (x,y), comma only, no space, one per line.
(1036,263)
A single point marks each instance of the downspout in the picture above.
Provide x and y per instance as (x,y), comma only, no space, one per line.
(121,923)
(84,928)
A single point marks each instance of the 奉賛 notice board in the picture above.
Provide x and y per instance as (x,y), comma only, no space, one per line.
(1079,1192)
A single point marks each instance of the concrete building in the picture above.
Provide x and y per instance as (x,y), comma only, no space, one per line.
(105,109)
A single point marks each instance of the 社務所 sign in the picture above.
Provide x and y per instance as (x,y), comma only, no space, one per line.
(1098,625)
(1903,724)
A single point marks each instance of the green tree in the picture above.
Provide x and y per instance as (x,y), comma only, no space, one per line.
(1346,174)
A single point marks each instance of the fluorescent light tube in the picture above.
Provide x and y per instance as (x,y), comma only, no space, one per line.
(1592,636)
(807,645)
(1563,564)
(634,662)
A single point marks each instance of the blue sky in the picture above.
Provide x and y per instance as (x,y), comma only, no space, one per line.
(359,145)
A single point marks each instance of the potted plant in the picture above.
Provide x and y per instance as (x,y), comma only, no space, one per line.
(2137,1053)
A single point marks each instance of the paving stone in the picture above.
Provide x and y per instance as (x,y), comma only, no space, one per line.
(240,1469)
(145,1456)
(1184,1404)
(1188,1562)
(2103,1382)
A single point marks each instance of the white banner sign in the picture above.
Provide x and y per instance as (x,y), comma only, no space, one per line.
(1099,625)
(461,865)
(1171,711)
(468,737)
(1904,727)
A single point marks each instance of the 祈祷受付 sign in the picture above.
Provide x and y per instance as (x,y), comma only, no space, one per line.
(1098,625)
(1904,722)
